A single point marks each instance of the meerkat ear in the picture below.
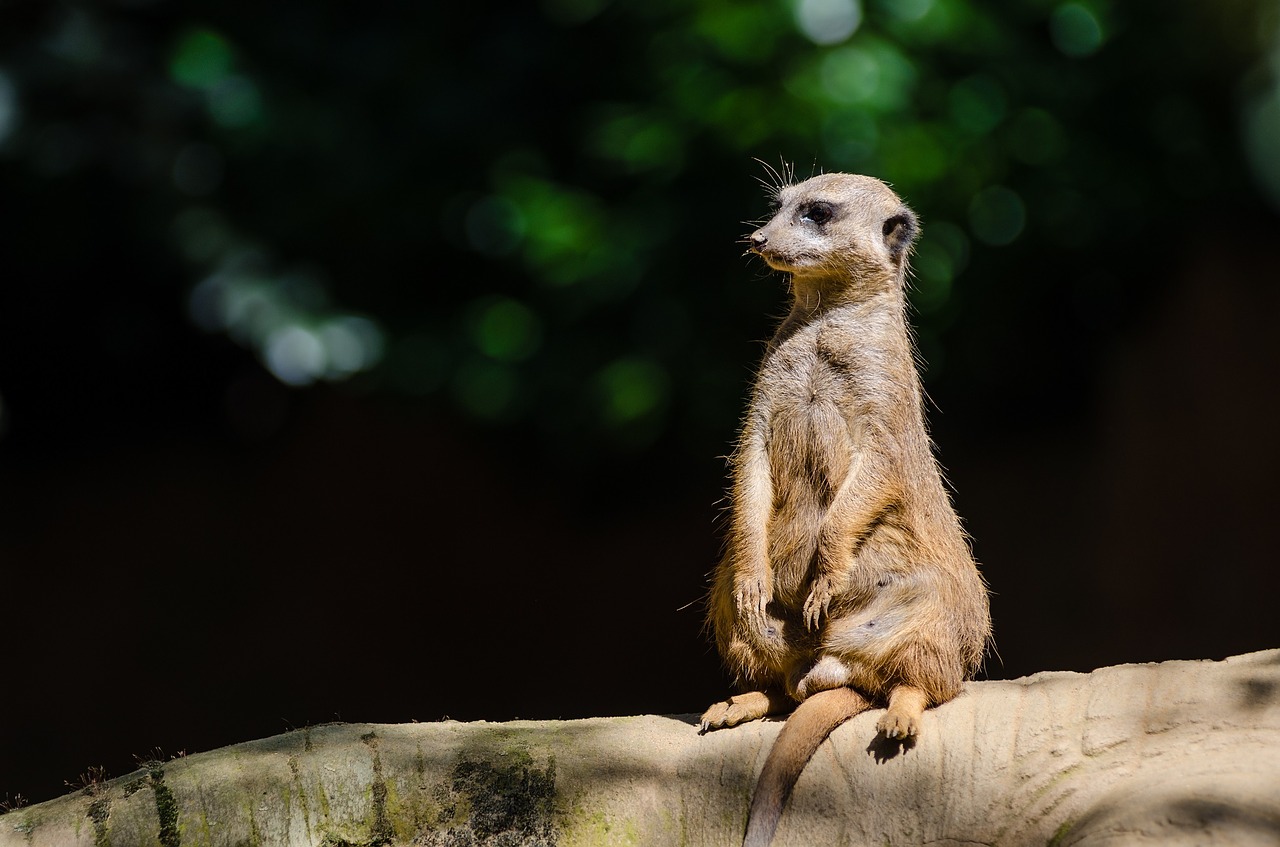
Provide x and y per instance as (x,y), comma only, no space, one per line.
(899,231)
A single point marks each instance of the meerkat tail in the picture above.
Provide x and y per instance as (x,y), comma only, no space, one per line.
(806,729)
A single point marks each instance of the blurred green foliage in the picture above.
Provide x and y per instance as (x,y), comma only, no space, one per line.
(527,216)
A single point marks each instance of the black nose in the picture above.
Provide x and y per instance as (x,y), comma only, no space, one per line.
(759,239)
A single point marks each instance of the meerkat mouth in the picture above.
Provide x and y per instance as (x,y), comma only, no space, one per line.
(774,260)
(789,264)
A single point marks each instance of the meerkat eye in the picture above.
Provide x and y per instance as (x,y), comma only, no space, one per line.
(818,213)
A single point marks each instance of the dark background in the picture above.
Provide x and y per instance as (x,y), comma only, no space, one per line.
(377,364)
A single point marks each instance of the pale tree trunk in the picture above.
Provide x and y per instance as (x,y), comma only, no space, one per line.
(1174,753)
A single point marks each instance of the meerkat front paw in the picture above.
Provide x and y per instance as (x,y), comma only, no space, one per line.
(815,607)
(752,597)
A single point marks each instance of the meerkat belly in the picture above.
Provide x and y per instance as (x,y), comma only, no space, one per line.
(811,450)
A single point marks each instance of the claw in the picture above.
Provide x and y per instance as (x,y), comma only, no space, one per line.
(736,710)
(815,608)
(752,598)
(897,726)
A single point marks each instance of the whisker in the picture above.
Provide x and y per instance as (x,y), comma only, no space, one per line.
(769,169)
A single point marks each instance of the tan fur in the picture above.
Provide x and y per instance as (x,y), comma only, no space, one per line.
(800,738)
(845,565)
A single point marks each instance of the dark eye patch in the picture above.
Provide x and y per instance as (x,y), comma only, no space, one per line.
(817,212)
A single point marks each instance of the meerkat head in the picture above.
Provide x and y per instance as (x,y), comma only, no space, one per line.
(842,228)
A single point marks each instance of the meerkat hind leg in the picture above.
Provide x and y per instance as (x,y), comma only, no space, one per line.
(902,719)
(741,708)
(826,673)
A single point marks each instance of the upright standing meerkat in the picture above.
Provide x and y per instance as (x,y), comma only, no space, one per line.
(847,582)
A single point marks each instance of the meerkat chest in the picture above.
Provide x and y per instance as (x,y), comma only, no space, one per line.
(810,395)
(811,372)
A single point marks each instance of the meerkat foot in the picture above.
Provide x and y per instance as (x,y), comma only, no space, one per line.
(741,708)
(902,719)
(898,725)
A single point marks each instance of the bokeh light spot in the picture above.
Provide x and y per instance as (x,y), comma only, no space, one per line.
(507,330)
(978,104)
(828,21)
(850,75)
(565,239)
(997,215)
(1262,142)
(201,59)
(352,344)
(205,303)
(285,318)
(638,142)
(941,256)
(742,117)
(1076,30)
(250,312)
(874,74)
(295,355)
(914,155)
(934,273)
(8,107)
(1036,137)
(202,233)
(78,38)
(235,102)
(952,239)
(486,390)
(743,32)
(494,225)
(851,137)
(632,388)
(907,10)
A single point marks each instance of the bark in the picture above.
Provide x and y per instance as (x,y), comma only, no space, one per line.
(1174,753)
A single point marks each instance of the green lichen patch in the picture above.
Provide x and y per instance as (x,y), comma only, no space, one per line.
(166,807)
(380,831)
(591,828)
(301,794)
(255,832)
(100,812)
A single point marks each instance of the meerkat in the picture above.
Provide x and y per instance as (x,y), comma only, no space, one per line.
(847,582)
